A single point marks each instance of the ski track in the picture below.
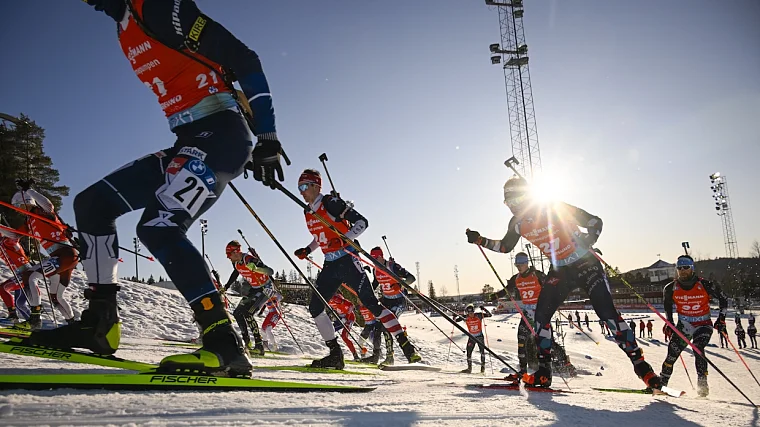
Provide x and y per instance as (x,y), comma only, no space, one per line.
(402,398)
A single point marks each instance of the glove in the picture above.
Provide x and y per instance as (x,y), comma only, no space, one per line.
(474,237)
(303,253)
(222,291)
(335,244)
(588,239)
(265,161)
(457,318)
(482,308)
(23,184)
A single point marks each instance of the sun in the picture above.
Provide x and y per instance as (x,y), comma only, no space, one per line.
(545,187)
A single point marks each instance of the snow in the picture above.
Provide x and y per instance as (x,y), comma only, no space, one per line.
(402,398)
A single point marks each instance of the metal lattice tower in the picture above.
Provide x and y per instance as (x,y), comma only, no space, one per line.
(513,53)
(723,207)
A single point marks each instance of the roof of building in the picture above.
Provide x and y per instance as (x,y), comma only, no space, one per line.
(660,264)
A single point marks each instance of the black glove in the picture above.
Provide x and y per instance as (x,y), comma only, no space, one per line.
(302,253)
(474,237)
(458,318)
(24,184)
(482,308)
(588,239)
(266,161)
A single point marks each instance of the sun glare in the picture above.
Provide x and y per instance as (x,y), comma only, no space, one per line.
(546,188)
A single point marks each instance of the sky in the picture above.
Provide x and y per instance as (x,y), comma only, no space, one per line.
(637,103)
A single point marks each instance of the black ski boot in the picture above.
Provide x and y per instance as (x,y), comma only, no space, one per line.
(374,358)
(334,360)
(482,368)
(12,316)
(98,330)
(409,351)
(388,350)
(646,373)
(222,353)
(258,349)
(468,369)
(543,376)
(34,323)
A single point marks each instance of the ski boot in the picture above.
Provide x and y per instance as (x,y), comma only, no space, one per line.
(258,349)
(334,360)
(468,369)
(516,377)
(12,316)
(356,357)
(541,378)
(98,330)
(645,372)
(409,351)
(702,389)
(374,358)
(482,368)
(222,353)
(35,321)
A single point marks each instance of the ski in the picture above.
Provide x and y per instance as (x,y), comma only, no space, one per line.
(21,348)
(665,391)
(14,333)
(410,367)
(308,368)
(162,382)
(515,386)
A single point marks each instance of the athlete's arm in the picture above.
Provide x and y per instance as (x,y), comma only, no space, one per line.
(592,223)
(507,243)
(235,274)
(715,291)
(667,301)
(340,210)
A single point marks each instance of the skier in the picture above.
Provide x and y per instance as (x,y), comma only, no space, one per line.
(720,327)
(53,236)
(474,323)
(650,326)
(527,285)
(554,228)
(632,325)
(585,320)
(345,310)
(393,294)
(740,336)
(373,330)
(257,276)
(14,256)
(642,325)
(188,60)
(752,331)
(272,308)
(340,266)
(691,296)
(603,327)
(669,332)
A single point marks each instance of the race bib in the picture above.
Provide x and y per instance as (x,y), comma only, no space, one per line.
(191,182)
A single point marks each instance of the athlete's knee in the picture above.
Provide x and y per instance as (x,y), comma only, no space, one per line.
(316,307)
(96,206)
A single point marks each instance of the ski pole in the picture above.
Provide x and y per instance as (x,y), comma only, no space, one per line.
(687,371)
(284,252)
(740,357)
(383,268)
(282,317)
(680,334)
(413,305)
(219,281)
(386,247)
(451,340)
(485,332)
(50,221)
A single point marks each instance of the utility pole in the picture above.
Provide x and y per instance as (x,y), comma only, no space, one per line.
(456,275)
(204,230)
(136,241)
(417,264)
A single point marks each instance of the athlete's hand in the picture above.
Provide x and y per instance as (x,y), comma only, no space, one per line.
(302,253)
(23,184)
(222,291)
(473,237)
(265,162)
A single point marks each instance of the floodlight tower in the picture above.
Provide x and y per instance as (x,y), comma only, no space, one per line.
(513,52)
(719,186)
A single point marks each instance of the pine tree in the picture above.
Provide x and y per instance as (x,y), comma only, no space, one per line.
(151,280)
(431,290)
(22,156)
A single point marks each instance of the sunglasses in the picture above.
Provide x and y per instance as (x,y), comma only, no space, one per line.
(516,201)
(684,267)
(303,187)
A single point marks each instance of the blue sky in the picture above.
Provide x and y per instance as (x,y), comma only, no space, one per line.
(636,104)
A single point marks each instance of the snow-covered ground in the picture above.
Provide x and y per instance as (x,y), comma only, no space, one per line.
(401,399)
